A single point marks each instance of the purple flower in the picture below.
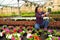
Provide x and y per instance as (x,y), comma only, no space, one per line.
(20,30)
(50,31)
(58,38)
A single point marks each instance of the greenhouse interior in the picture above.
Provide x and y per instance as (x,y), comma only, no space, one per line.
(29,20)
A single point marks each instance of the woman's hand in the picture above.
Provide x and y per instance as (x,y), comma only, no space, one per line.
(47,13)
(43,15)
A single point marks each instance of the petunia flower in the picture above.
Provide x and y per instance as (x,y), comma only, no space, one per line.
(14,30)
(13,38)
(58,38)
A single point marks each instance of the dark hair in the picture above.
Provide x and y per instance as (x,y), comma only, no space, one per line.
(36,9)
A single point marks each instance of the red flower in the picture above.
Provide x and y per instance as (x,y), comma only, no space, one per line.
(14,30)
(30,37)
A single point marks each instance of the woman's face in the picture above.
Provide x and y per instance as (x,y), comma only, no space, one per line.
(39,10)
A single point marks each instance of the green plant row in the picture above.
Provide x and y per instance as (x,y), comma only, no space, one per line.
(56,12)
(28,14)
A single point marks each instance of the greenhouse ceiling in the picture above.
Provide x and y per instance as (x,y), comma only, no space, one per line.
(15,3)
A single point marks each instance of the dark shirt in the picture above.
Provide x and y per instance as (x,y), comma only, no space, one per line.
(39,18)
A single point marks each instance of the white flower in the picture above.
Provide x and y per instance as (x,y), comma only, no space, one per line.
(18,34)
(9,36)
(1,34)
(50,35)
(23,31)
(28,35)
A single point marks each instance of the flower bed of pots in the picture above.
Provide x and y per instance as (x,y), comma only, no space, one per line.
(2,22)
(28,33)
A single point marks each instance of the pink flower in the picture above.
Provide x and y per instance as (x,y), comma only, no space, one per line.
(7,30)
(20,30)
(13,38)
(52,38)
(50,31)
(58,38)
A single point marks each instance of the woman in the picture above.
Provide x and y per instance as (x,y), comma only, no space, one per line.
(39,18)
